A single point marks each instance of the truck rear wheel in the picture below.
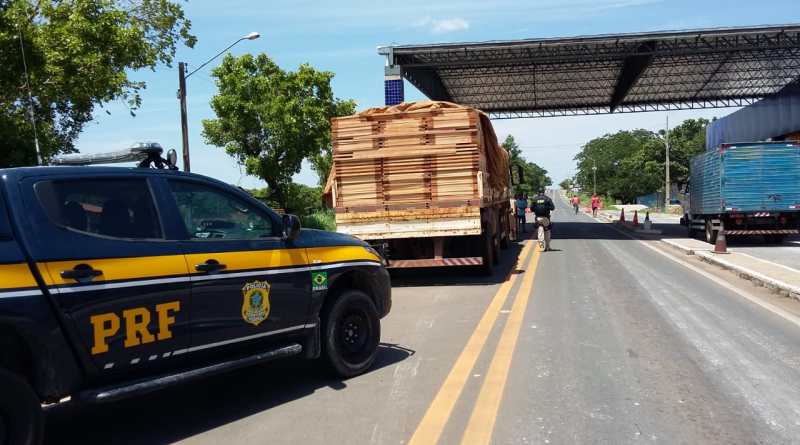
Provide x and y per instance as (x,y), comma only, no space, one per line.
(20,412)
(352,330)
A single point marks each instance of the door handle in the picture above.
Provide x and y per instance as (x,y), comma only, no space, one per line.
(210,266)
(81,273)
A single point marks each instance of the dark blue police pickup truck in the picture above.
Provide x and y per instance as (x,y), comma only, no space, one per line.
(118,281)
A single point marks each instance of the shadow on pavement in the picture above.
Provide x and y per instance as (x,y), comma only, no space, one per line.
(184,411)
(584,230)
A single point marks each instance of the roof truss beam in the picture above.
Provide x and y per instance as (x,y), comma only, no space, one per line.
(632,69)
(606,74)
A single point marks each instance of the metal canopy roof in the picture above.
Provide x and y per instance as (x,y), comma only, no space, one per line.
(670,70)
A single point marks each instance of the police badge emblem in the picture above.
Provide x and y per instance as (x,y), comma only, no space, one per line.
(255,307)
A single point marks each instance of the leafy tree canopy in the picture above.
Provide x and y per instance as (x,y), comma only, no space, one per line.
(301,199)
(79,54)
(270,120)
(534,178)
(631,163)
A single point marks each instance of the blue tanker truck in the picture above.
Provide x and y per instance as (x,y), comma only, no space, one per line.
(747,189)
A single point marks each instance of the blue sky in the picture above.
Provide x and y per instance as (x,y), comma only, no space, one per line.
(342,36)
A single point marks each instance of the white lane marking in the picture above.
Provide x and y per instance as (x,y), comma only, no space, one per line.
(166,354)
(153,357)
(194,278)
(20,293)
(108,365)
(135,361)
(718,337)
(788,316)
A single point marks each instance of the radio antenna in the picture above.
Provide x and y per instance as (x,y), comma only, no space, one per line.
(30,100)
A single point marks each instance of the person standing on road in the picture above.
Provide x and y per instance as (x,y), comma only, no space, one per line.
(521,205)
(542,205)
(576,202)
(595,204)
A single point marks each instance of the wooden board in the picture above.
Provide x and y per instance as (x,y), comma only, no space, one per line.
(415,155)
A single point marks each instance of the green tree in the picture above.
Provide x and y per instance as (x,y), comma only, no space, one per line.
(631,163)
(301,199)
(534,177)
(270,120)
(79,55)
(685,141)
(627,164)
(566,184)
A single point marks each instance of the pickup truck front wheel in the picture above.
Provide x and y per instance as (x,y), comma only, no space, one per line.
(352,330)
(20,412)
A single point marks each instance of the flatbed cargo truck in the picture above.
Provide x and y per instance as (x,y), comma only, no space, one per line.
(425,183)
(747,189)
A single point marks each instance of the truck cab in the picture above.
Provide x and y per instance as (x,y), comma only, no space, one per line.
(118,281)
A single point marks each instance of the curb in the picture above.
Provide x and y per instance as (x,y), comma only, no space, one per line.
(629,227)
(758,279)
(678,246)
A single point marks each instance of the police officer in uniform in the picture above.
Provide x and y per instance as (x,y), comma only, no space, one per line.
(542,205)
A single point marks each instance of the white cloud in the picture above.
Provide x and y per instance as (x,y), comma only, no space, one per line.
(441,26)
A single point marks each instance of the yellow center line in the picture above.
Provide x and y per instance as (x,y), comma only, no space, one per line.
(435,418)
(481,422)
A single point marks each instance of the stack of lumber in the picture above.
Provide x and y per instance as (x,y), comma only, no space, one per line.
(424,154)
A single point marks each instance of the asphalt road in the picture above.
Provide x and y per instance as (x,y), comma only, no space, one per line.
(604,340)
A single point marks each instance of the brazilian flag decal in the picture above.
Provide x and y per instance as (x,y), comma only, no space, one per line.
(319,280)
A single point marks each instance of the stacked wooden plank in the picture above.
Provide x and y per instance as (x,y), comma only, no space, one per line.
(420,155)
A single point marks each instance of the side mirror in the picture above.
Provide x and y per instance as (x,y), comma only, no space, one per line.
(291,227)
(172,158)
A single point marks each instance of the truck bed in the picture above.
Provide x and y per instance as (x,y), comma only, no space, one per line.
(746,178)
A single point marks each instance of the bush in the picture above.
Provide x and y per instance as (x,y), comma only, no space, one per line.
(320,219)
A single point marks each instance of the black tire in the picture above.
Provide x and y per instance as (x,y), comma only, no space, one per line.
(21,421)
(351,330)
(711,234)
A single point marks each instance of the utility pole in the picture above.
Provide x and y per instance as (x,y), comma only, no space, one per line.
(666,168)
(182,76)
(184,123)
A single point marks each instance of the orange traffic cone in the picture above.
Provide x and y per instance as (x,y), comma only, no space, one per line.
(622,216)
(721,246)
(635,218)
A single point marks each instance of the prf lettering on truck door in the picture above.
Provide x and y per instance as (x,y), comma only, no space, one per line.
(135,322)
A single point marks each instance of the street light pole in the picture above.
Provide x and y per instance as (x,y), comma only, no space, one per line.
(182,76)
(594,174)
